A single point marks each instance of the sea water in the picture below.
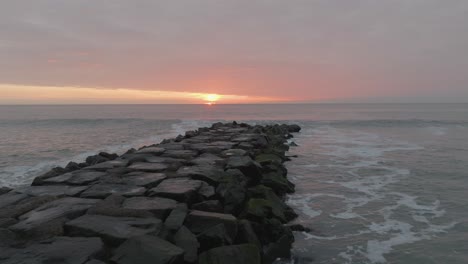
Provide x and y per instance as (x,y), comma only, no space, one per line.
(377,183)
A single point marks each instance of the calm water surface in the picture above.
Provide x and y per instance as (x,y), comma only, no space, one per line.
(378,183)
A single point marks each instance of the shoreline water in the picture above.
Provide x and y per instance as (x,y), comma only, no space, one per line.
(215,194)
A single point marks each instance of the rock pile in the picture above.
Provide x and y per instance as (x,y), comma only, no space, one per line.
(212,196)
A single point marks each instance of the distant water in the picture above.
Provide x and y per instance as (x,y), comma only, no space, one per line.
(379,183)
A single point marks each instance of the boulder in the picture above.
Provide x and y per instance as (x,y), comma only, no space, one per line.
(294,128)
(81,177)
(4,190)
(233,152)
(206,191)
(245,254)
(180,189)
(267,158)
(214,147)
(103,190)
(152,150)
(205,173)
(215,236)
(58,191)
(247,234)
(47,220)
(64,250)
(112,206)
(160,207)
(107,165)
(232,190)
(180,154)
(11,198)
(187,241)
(24,206)
(278,182)
(177,217)
(214,206)
(52,173)
(208,159)
(147,250)
(113,230)
(144,179)
(199,221)
(149,167)
(247,166)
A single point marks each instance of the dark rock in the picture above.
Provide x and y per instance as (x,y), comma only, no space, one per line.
(278,182)
(245,254)
(299,228)
(169,145)
(177,217)
(66,250)
(59,191)
(281,248)
(112,206)
(7,238)
(47,220)
(199,221)
(212,147)
(160,207)
(247,234)
(104,190)
(52,173)
(113,230)
(180,154)
(266,204)
(180,189)
(72,166)
(268,158)
(152,150)
(11,198)
(148,180)
(294,128)
(209,206)
(95,159)
(233,152)
(24,206)
(81,177)
(247,166)
(109,156)
(293,144)
(208,159)
(5,222)
(215,236)
(149,167)
(94,261)
(205,173)
(232,190)
(187,241)
(4,190)
(206,190)
(107,165)
(147,250)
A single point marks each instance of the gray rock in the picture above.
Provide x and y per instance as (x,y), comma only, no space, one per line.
(104,190)
(180,189)
(245,254)
(160,207)
(4,190)
(247,234)
(214,206)
(11,198)
(278,182)
(233,152)
(187,241)
(94,261)
(24,206)
(144,179)
(213,237)
(199,221)
(107,165)
(112,206)
(63,250)
(212,147)
(208,159)
(247,166)
(5,222)
(47,220)
(206,190)
(147,250)
(113,230)
(152,150)
(59,191)
(180,154)
(172,146)
(177,217)
(81,177)
(149,167)
(205,173)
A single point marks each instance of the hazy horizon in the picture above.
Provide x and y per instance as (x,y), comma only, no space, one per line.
(157,52)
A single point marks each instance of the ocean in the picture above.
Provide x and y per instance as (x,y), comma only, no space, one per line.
(377,183)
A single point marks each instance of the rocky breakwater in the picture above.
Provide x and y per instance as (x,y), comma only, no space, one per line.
(214,195)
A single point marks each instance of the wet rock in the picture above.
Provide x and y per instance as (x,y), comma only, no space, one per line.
(214,206)
(81,177)
(233,152)
(52,173)
(205,173)
(212,147)
(72,166)
(67,250)
(152,150)
(104,190)
(94,261)
(180,189)
(177,217)
(107,165)
(215,236)
(148,180)
(180,154)
(4,190)
(160,207)
(247,234)
(199,221)
(268,158)
(266,204)
(281,248)
(171,146)
(293,144)
(208,159)
(149,167)
(95,159)
(58,191)
(294,128)
(247,166)
(112,206)
(232,190)
(245,254)
(187,241)
(206,191)
(113,230)
(277,182)
(299,228)
(7,238)
(24,206)
(147,250)
(47,220)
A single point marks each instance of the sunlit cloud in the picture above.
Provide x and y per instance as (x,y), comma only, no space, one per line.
(20,94)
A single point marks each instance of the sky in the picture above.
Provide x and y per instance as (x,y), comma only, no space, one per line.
(243,51)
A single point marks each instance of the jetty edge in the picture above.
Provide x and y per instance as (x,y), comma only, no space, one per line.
(215,195)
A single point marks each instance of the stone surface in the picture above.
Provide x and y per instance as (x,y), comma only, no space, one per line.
(59,191)
(212,147)
(112,206)
(4,190)
(249,168)
(187,241)
(144,179)
(233,152)
(63,250)
(160,207)
(180,189)
(208,159)
(24,206)
(47,220)
(215,236)
(152,150)
(81,177)
(147,250)
(245,254)
(199,221)
(104,190)
(11,198)
(180,154)
(107,165)
(214,206)
(113,230)
(205,173)
(177,217)
(149,166)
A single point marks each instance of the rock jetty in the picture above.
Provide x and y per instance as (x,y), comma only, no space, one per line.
(214,195)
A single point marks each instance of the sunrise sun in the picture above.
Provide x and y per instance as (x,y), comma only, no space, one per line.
(211,98)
